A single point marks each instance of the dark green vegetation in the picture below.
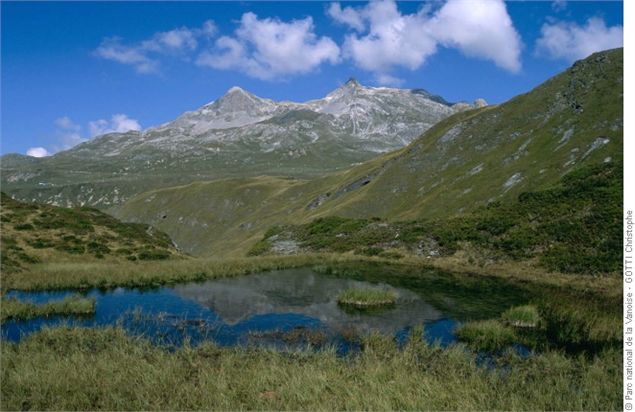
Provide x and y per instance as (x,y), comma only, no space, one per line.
(554,321)
(573,227)
(362,298)
(33,233)
(72,305)
(381,377)
(469,160)
(562,322)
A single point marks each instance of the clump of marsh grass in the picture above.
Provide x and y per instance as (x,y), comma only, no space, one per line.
(526,316)
(77,305)
(489,335)
(366,298)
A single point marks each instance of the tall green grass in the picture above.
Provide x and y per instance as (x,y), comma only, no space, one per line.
(103,369)
(362,298)
(11,308)
(64,275)
(489,335)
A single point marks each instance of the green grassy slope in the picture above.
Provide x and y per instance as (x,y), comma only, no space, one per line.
(34,233)
(466,161)
(573,227)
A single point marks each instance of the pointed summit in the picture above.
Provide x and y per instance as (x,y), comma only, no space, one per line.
(352,82)
(235,90)
(237,99)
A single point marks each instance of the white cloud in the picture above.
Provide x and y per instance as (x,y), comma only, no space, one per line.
(269,48)
(393,39)
(559,5)
(388,80)
(37,152)
(69,134)
(119,123)
(571,41)
(479,29)
(145,55)
(66,123)
(209,29)
(347,16)
(385,38)
(112,49)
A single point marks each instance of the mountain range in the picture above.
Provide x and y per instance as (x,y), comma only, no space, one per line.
(466,161)
(216,179)
(238,135)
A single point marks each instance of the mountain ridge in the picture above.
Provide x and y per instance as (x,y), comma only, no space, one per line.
(239,134)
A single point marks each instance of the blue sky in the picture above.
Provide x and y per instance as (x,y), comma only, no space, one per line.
(71,70)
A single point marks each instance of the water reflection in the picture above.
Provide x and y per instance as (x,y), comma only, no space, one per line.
(282,308)
(306,292)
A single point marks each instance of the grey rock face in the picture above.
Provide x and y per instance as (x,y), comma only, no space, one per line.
(238,135)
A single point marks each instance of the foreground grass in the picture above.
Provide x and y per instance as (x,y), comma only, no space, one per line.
(363,298)
(73,305)
(104,369)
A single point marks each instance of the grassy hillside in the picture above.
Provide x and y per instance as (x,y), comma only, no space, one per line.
(467,161)
(34,233)
(573,227)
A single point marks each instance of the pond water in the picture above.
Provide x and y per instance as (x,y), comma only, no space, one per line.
(284,308)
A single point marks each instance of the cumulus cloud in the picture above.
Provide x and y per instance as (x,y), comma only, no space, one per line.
(571,41)
(393,39)
(388,80)
(119,123)
(559,5)
(37,152)
(269,48)
(384,38)
(69,134)
(347,16)
(112,49)
(479,29)
(65,123)
(144,56)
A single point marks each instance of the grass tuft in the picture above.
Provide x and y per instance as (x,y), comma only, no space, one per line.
(526,316)
(20,310)
(489,335)
(364,298)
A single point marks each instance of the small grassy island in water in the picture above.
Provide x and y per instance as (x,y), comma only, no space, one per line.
(366,298)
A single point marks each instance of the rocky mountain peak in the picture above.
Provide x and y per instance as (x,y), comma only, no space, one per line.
(237,99)
(352,82)
(480,103)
